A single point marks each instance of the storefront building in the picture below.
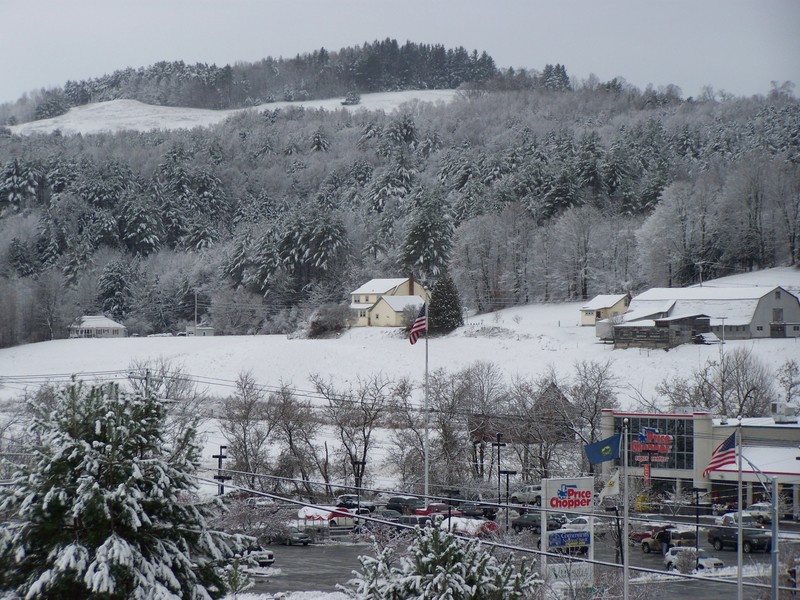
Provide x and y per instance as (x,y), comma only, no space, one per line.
(669,453)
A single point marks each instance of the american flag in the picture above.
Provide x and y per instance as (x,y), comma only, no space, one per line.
(725,454)
(418,326)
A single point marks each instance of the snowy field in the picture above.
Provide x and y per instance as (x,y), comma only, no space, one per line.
(122,115)
(522,341)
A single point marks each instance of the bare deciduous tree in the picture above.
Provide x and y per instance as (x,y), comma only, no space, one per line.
(247,423)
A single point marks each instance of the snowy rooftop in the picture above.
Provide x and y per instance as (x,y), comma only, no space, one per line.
(398,303)
(98,321)
(641,309)
(769,459)
(706,293)
(603,301)
(379,286)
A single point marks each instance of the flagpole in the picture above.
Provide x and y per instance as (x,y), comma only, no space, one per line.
(739,545)
(625,555)
(427,457)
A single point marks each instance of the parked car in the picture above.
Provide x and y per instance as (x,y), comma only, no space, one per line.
(386,514)
(469,527)
(601,526)
(354,501)
(438,508)
(726,533)
(529,494)
(732,519)
(476,509)
(264,558)
(290,536)
(704,561)
(533,521)
(405,505)
(672,537)
(415,520)
(762,511)
(637,536)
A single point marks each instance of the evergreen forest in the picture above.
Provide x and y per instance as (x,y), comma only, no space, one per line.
(529,187)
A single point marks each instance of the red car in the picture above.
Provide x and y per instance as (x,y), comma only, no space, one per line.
(438,508)
(636,537)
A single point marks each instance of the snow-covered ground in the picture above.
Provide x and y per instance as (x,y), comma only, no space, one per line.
(521,341)
(121,115)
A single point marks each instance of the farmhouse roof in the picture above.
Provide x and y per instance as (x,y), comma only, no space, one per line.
(398,303)
(380,286)
(603,301)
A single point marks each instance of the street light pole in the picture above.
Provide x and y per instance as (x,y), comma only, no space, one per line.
(697,491)
(499,445)
(507,473)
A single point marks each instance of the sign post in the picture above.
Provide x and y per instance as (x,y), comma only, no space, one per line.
(570,495)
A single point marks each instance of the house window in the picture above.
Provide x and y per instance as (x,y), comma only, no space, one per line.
(777,315)
(777,294)
(795,327)
(362,313)
(759,328)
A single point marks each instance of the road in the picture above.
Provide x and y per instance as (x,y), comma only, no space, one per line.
(320,567)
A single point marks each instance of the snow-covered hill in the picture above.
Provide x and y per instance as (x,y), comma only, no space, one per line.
(121,115)
(521,341)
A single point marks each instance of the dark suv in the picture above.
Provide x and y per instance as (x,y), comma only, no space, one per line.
(405,505)
(533,521)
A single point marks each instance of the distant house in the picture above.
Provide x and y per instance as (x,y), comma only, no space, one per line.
(732,313)
(97,326)
(199,330)
(604,306)
(381,302)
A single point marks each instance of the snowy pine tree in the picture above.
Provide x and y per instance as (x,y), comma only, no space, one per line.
(102,511)
(445,313)
(441,566)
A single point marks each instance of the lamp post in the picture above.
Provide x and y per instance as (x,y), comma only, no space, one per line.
(508,474)
(499,445)
(358,474)
(697,491)
(620,549)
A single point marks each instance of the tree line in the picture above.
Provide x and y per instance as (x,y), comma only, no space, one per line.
(518,196)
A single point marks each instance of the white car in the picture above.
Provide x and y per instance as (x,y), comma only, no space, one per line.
(601,526)
(705,562)
(731,520)
(762,511)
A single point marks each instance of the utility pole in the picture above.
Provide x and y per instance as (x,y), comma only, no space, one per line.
(499,445)
(219,476)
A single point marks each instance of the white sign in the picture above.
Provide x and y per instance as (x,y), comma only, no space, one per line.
(568,495)
(576,574)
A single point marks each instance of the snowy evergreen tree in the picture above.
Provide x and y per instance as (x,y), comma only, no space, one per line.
(114,289)
(428,238)
(441,566)
(445,312)
(103,510)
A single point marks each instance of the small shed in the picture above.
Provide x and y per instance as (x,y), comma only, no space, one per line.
(97,326)
(604,306)
(199,330)
(665,333)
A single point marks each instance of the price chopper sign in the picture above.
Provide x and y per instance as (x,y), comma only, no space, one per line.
(573,495)
(651,446)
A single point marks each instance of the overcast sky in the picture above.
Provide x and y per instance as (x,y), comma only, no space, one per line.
(734,45)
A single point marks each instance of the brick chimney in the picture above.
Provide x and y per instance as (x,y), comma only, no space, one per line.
(411,284)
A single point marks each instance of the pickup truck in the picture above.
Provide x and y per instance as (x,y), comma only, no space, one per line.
(726,533)
(529,494)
